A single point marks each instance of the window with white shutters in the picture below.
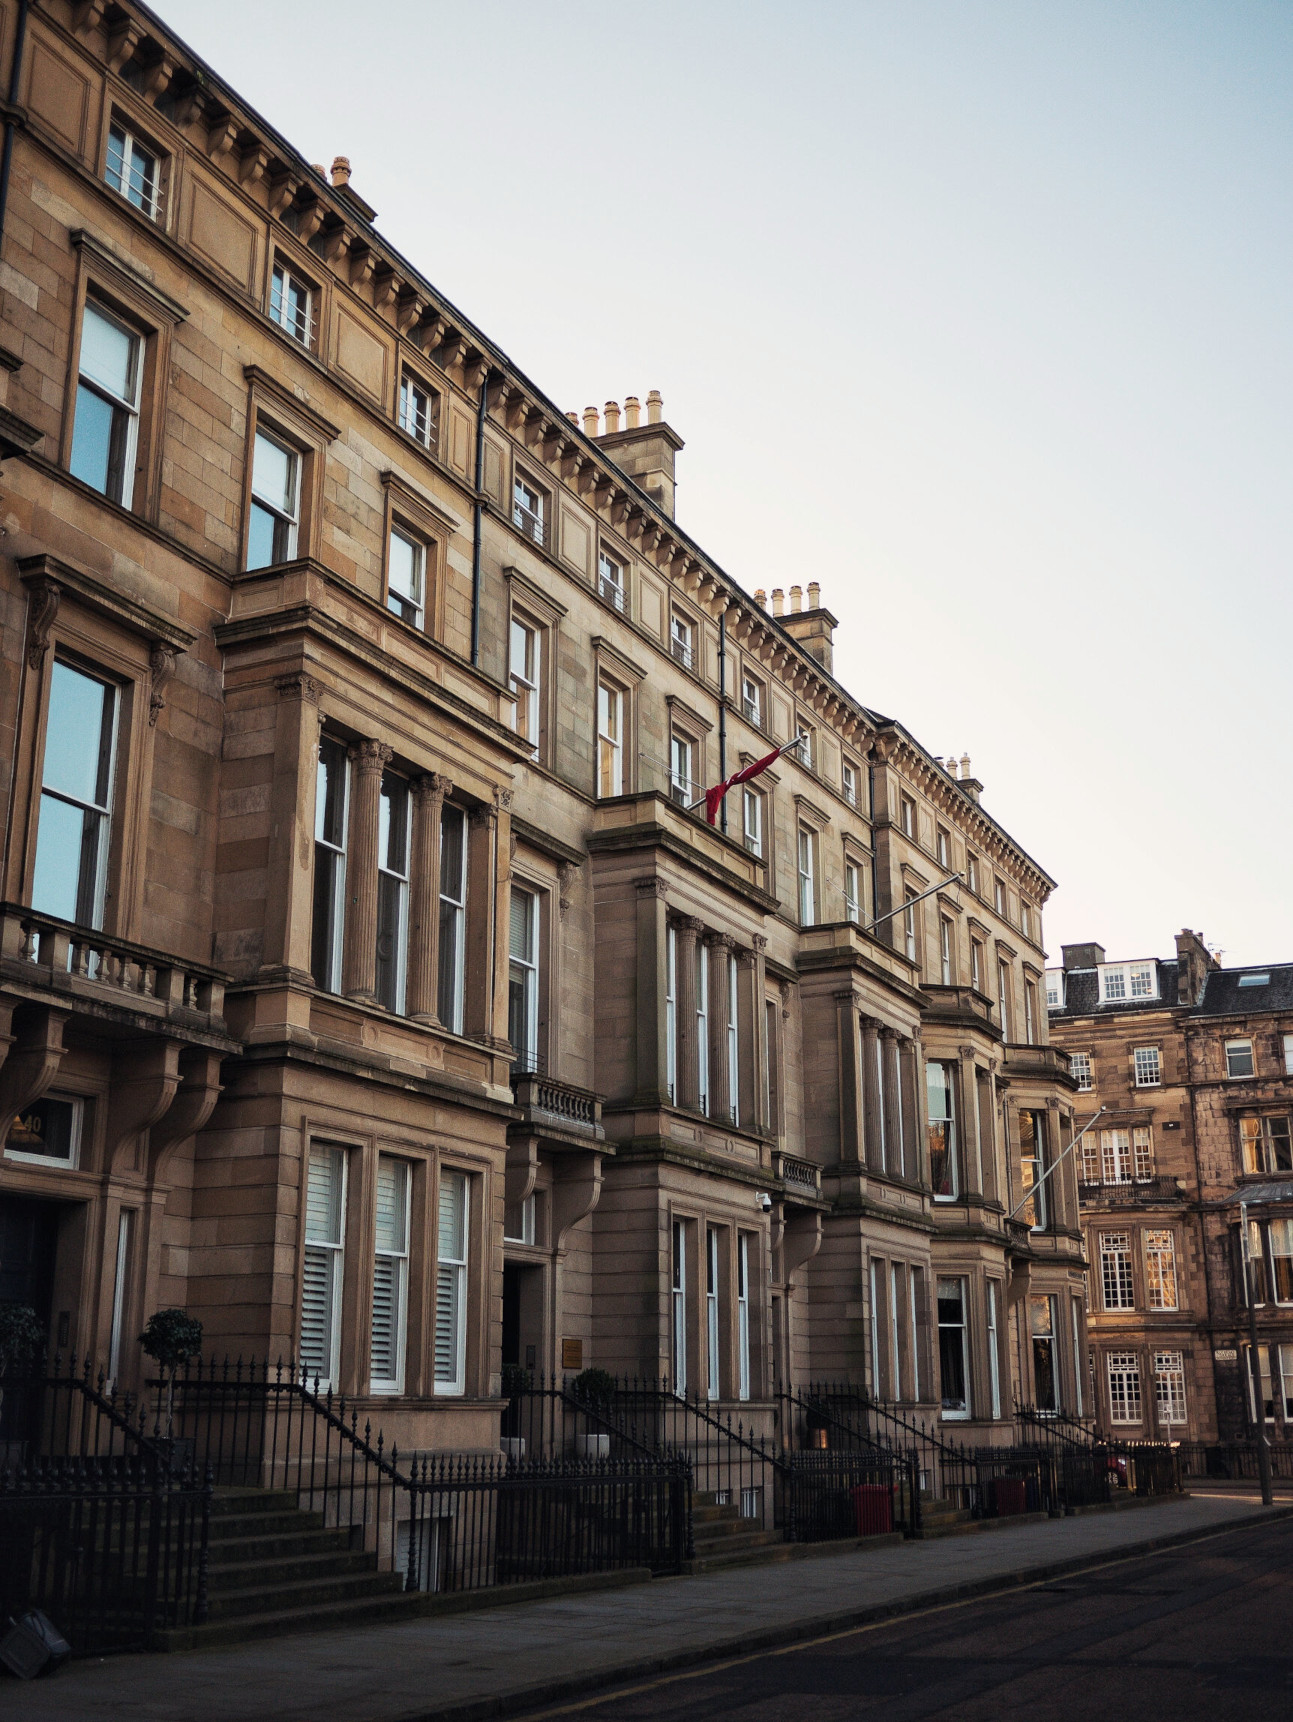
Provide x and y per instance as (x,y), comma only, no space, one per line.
(325,1209)
(451,1285)
(390,1276)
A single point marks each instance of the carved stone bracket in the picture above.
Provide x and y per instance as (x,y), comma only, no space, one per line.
(298,686)
(161,664)
(652,887)
(567,873)
(46,595)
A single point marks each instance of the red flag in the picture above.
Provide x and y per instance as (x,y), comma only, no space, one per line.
(714,796)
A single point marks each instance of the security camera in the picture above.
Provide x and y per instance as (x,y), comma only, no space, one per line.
(765,1201)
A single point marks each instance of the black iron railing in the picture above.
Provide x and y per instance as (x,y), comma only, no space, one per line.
(1234,1460)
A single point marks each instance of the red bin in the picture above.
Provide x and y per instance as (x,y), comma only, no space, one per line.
(873,1509)
(1011,1495)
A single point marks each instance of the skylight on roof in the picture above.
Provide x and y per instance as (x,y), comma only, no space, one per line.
(1254,980)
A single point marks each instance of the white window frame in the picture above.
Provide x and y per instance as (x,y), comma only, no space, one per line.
(807,877)
(852,904)
(451,1283)
(1257,1141)
(742,1315)
(1004,984)
(330,854)
(393,869)
(682,640)
(960,1411)
(752,820)
(124,407)
(283,282)
(678,1306)
(907,815)
(325,1248)
(1055,989)
(1142,1153)
(529,508)
(1115,1156)
(523,972)
(849,782)
(682,750)
(391,1265)
(1082,1071)
(120,1282)
(1030,1012)
(91,889)
(284,514)
(915,1277)
(527,1209)
(610,739)
(713,1375)
(944,1071)
(910,943)
(1160,1269)
(1123,1368)
(140,189)
(419,420)
(752,699)
(671,1012)
(1169,1387)
(942,846)
(1237,1052)
(610,579)
(451,979)
(804,748)
(877,1385)
(1288,1054)
(1147,1066)
(976,964)
(65,1162)
(702,1024)
(733,1039)
(1039,1161)
(1122,983)
(1117,1275)
(895,1328)
(972,871)
(1000,901)
(525,678)
(945,950)
(994,1347)
(408,603)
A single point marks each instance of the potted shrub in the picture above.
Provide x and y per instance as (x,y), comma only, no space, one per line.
(22,1340)
(170,1338)
(596,1389)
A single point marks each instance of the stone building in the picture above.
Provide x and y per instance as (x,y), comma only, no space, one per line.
(1192,1065)
(371,986)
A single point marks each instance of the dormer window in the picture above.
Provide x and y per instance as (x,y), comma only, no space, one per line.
(1120,982)
(291,304)
(1055,989)
(133,170)
(682,640)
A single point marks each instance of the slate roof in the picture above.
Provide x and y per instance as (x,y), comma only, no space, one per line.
(1082,995)
(1223,995)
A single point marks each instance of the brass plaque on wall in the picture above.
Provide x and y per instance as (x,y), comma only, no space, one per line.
(572,1354)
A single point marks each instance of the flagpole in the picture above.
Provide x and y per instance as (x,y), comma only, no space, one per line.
(700,800)
(912,901)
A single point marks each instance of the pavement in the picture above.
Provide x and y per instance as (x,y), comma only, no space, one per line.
(501,1661)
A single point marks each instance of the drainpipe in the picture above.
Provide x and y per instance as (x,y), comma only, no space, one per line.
(722,716)
(478,522)
(11,123)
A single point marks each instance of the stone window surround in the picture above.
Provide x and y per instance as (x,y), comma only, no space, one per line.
(307,433)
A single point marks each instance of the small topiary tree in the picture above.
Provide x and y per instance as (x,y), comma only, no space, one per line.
(171,1337)
(594,1386)
(22,1338)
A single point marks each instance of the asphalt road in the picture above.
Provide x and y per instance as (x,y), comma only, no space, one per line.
(1202,1631)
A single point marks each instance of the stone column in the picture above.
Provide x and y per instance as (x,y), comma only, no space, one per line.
(718,948)
(755,972)
(988,1135)
(892,1110)
(689,930)
(651,1077)
(482,881)
(424,897)
(912,1113)
(873,1124)
(500,859)
(851,1087)
(971,1152)
(360,946)
(289,907)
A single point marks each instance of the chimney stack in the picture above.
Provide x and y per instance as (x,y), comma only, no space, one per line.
(778,601)
(592,421)
(813,628)
(644,452)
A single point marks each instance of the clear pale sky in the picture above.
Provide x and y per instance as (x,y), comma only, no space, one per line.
(975,311)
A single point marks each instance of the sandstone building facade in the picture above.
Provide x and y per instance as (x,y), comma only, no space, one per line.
(1193,1065)
(370,985)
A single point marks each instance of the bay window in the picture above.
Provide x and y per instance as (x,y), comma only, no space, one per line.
(1169,1386)
(940,1093)
(1032,1166)
(1041,1322)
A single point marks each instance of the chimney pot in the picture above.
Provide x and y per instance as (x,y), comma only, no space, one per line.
(632,412)
(612,417)
(655,407)
(761,597)
(592,420)
(778,601)
(341,170)
(814,595)
(573,417)
(796,599)
(965,765)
